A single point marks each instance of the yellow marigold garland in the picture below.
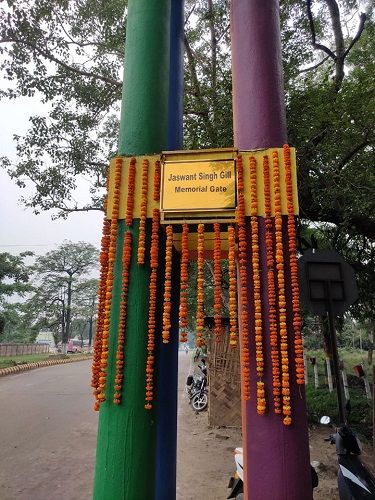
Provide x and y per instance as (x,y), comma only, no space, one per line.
(126,257)
(152,310)
(157,177)
(184,282)
(285,386)
(297,323)
(167,285)
(272,313)
(217,282)
(232,287)
(245,355)
(143,213)
(130,197)
(200,288)
(109,282)
(259,357)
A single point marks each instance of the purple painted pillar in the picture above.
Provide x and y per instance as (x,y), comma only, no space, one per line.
(276,457)
(258,97)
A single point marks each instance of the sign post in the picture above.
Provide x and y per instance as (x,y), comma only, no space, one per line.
(328,286)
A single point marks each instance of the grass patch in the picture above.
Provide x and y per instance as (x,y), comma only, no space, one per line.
(350,358)
(321,402)
(6,361)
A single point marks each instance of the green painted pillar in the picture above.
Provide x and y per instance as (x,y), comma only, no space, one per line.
(144,113)
(125,459)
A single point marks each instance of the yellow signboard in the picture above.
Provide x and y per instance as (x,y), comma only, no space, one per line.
(195,185)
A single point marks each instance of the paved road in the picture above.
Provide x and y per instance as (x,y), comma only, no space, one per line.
(48,432)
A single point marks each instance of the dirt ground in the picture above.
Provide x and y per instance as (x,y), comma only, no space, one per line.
(206,459)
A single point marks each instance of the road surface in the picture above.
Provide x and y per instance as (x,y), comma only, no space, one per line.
(48,432)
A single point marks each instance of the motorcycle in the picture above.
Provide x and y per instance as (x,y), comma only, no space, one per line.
(196,388)
(193,384)
(355,481)
(236,481)
(199,398)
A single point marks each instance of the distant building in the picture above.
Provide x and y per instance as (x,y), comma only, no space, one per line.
(45,337)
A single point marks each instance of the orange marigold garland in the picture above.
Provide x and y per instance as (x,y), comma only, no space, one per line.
(157,177)
(259,357)
(184,282)
(103,259)
(130,197)
(217,282)
(143,213)
(126,257)
(152,310)
(245,356)
(109,282)
(232,287)
(167,285)
(200,287)
(297,323)
(285,387)
(272,313)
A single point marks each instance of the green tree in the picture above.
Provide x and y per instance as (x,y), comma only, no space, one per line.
(14,274)
(71,53)
(62,275)
(14,280)
(18,323)
(84,309)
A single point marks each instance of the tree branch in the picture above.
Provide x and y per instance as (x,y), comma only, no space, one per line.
(352,153)
(196,85)
(315,66)
(50,57)
(313,34)
(361,27)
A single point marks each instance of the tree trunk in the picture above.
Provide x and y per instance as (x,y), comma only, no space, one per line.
(90,331)
(63,325)
(68,311)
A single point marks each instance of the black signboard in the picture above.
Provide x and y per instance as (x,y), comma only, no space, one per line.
(324,275)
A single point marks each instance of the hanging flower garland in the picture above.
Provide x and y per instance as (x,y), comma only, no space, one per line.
(272,313)
(184,282)
(103,259)
(152,310)
(130,196)
(143,213)
(167,285)
(245,355)
(200,287)
(109,282)
(157,178)
(259,357)
(285,388)
(217,282)
(119,376)
(297,323)
(232,287)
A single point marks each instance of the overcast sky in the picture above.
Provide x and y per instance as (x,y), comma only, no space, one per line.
(20,229)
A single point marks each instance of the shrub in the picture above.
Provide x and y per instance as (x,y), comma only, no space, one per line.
(322,402)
